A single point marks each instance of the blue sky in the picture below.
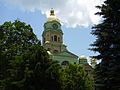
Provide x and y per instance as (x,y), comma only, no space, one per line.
(76,23)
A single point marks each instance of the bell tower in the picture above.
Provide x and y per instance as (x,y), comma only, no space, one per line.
(52,37)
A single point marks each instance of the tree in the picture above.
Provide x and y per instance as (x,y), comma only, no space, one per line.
(34,71)
(24,63)
(108,46)
(15,38)
(73,77)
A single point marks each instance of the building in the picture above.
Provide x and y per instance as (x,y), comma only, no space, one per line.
(52,40)
(93,62)
(83,62)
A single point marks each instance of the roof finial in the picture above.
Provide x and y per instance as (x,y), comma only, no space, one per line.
(52,12)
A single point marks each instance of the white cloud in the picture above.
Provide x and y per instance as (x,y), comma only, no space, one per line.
(72,13)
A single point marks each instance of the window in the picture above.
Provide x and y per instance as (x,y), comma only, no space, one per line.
(58,39)
(52,38)
(55,37)
(65,63)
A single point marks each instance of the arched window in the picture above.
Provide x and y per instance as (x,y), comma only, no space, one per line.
(55,37)
(52,38)
(58,39)
(65,63)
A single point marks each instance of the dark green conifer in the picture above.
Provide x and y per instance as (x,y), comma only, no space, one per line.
(108,46)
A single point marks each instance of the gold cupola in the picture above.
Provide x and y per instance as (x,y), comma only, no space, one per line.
(52,16)
(82,57)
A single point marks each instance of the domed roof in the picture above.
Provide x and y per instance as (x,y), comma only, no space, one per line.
(82,57)
(52,16)
(47,41)
(49,52)
(93,59)
(52,19)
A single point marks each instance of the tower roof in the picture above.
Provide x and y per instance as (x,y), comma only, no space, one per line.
(82,57)
(93,59)
(52,16)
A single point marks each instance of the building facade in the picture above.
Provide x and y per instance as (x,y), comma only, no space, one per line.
(52,40)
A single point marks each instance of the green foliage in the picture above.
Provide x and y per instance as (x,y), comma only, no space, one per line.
(24,63)
(108,46)
(34,71)
(15,38)
(73,77)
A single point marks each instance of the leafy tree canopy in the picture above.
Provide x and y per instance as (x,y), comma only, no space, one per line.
(73,77)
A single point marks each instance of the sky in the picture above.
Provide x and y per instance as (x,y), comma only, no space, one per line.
(77,18)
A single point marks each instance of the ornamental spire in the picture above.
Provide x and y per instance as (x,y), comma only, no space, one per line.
(52,12)
(52,16)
